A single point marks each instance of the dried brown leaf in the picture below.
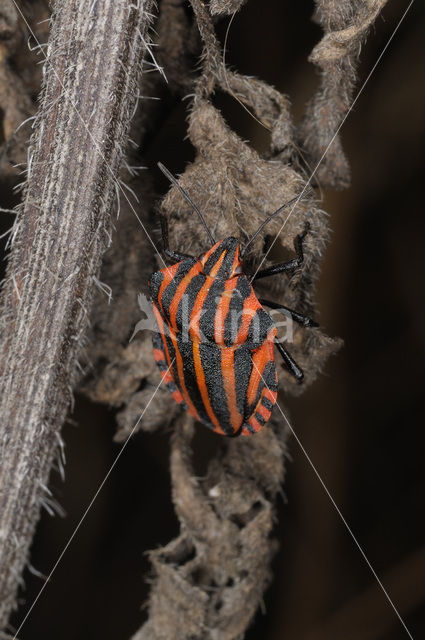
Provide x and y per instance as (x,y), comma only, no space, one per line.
(210,579)
(346,24)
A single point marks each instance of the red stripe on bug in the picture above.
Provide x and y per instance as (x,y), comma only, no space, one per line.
(229,384)
(200,376)
(169,274)
(223,310)
(181,380)
(158,355)
(160,323)
(174,304)
(197,308)
(250,308)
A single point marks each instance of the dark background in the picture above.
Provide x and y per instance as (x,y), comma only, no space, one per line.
(361,422)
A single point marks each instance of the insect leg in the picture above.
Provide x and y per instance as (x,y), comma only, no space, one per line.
(290,264)
(290,363)
(174,255)
(305,321)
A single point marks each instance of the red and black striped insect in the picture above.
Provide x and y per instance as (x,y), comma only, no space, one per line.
(214,342)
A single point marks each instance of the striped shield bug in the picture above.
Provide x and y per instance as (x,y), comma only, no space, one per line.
(214,342)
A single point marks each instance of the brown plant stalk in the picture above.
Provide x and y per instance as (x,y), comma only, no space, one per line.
(61,232)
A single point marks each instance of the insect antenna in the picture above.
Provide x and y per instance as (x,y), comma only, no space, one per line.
(190,201)
(273,215)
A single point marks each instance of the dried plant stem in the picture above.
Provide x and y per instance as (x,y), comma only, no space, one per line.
(62,230)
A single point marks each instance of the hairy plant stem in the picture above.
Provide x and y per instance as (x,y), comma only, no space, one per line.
(89,94)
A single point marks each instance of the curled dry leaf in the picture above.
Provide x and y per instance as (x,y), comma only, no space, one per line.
(213,575)
(210,579)
(346,24)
